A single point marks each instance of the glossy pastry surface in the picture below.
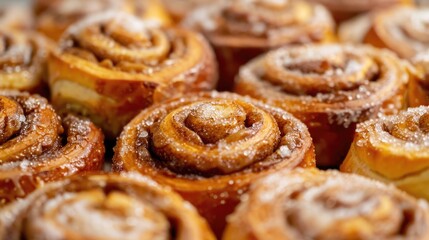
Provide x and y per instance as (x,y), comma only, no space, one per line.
(103,207)
(37,146)
(328,87)
(241,30)
(394,149)
(211,146)
(311,204)
(111,66)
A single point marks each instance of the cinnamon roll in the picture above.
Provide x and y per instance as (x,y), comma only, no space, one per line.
(37,146)
(310,204)
(103,207)
(211,146)
(23,57)
(111,66)
(345,9)
(418,89)
(395,150)
(15,16)
(330,88)
(402,29)
(54,17)
(241,30)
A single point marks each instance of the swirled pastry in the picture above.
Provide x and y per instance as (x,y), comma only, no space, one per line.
(402,29)
(103,207)
(211,146)
(241,30)
(37,146)
(328,87)
(394,149)
(311,204)
(111,66)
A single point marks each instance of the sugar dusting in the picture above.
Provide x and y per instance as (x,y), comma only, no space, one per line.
(96,221)
(340,200)
(409,130)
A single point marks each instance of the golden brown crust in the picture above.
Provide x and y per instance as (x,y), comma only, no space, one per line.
(211,146)
(23,58)
(401,29)
(37,146)
(311,204)
(103,207)
(241,30)
(394,149)
(124,65)
(328,87)
(54,17)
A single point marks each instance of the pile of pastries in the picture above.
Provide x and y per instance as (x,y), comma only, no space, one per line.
(214,119)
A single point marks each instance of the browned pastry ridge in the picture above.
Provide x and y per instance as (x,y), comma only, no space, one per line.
(211,146)
(330,88)
(36,146)
(55,16)
(345,9)
(394,149)
(241,30)
(103,207)
(23,57)
(402,29)
(311,204)
(111,66)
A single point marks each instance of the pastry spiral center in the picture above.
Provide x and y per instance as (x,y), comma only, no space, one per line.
(215,137)
(215,121)
(94,214)
(125,39)
(321,69)
(125,43)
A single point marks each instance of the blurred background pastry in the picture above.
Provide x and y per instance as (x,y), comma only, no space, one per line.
(241,30)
